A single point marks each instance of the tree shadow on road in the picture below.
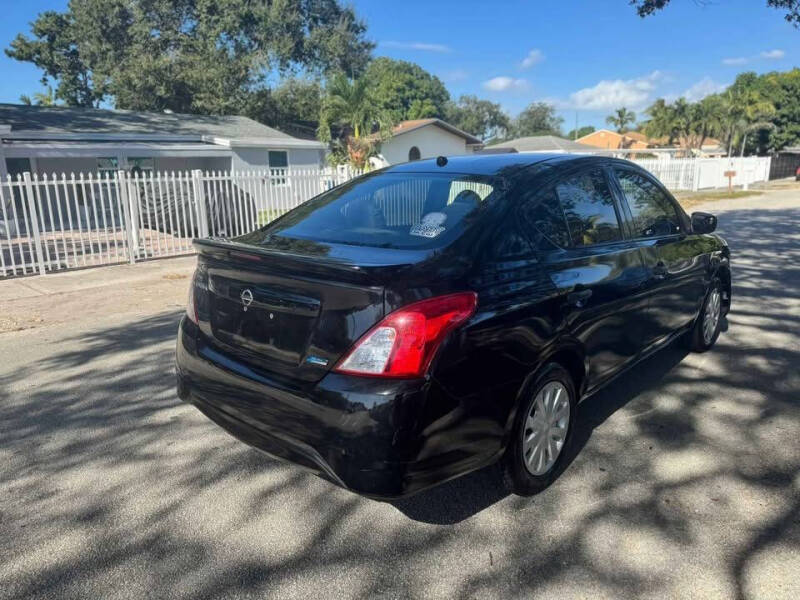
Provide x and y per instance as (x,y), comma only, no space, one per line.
(683,483)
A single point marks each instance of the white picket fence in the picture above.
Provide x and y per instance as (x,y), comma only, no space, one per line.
(56,222)
(707,173)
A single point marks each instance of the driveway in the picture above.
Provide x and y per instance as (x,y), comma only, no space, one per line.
(687,482)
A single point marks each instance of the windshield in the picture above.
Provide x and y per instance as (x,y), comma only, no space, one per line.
(388,210)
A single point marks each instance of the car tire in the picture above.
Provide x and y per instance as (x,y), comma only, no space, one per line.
(526,464)
(706,328)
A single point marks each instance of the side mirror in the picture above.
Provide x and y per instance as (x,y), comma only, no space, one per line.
(703,222)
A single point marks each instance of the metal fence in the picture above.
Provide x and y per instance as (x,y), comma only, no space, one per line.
(56,222)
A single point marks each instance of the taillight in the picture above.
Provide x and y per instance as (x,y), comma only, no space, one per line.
(404,343)
(191,307)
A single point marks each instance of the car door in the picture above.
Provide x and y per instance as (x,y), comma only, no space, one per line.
(598,274)
(672,256)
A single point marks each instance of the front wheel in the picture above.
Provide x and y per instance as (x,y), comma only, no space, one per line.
(542,432)
(706,329)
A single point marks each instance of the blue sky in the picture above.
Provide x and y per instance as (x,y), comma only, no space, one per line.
(587,57)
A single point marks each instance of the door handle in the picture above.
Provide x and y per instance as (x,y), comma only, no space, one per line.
(578,298)
(660,270)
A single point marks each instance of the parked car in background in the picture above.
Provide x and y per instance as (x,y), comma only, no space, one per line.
(797,174)
(428,319)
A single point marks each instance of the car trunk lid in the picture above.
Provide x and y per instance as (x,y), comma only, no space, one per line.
(291,315)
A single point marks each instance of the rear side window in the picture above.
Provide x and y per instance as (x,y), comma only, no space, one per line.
(546,218)
(589,209)
(652,212)
(390,210)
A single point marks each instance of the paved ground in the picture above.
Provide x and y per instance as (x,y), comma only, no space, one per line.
(687,483)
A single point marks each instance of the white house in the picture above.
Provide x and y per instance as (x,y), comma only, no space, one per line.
(86,140)
(425,138)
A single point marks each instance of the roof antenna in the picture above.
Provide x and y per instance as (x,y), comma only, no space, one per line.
(441,161)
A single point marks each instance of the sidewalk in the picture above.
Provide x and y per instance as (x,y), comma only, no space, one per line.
(102,294)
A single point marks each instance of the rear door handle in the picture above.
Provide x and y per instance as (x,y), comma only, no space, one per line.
(578,298)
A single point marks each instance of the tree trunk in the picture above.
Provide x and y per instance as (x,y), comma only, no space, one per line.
(744,141)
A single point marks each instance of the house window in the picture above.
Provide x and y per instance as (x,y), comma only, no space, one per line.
(107,166)
(278,165)
(141,164)
(18,166)
(413,154)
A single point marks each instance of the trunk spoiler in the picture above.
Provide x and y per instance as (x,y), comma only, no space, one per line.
(346,267)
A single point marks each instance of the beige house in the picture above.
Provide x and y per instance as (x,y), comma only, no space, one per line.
(424,138)
(611,140)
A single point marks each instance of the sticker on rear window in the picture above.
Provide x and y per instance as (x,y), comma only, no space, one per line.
(430,226)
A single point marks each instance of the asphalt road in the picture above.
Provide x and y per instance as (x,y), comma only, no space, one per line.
(686,485)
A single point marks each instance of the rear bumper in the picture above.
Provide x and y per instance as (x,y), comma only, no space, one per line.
(362,434)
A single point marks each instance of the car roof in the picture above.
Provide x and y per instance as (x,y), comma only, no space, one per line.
(483,164)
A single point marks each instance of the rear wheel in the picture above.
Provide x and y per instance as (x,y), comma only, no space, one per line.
(705,332)
(542,432)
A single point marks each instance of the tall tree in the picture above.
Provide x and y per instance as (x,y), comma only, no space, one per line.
(621,118)
(481,118)
(792,7)
(201,56)
(406,90)
(538,118)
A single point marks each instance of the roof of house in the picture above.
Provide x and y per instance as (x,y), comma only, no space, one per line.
(407,126)
(544,143)
(40,121)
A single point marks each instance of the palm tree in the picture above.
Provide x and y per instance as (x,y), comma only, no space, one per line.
(348,103)
(47,98)
(621,118)
(707,118)
(662,121)
(745,111)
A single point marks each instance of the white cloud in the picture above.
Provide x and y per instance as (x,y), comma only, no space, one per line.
(701,89)
(424,46)
(773,54)
(743,60)
(504,84)
(534,57)
(737,60)
(614,93)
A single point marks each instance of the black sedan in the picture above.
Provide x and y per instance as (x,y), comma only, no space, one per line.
(434,317)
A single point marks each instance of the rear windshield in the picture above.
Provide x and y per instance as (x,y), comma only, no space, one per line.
(388,210)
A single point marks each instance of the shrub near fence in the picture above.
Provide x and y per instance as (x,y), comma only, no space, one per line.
(55,222)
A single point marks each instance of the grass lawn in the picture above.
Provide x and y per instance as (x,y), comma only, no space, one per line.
(267,215)
(689,199)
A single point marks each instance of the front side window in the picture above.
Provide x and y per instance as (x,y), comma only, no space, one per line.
(652,212)
(389,210)
(589,209)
